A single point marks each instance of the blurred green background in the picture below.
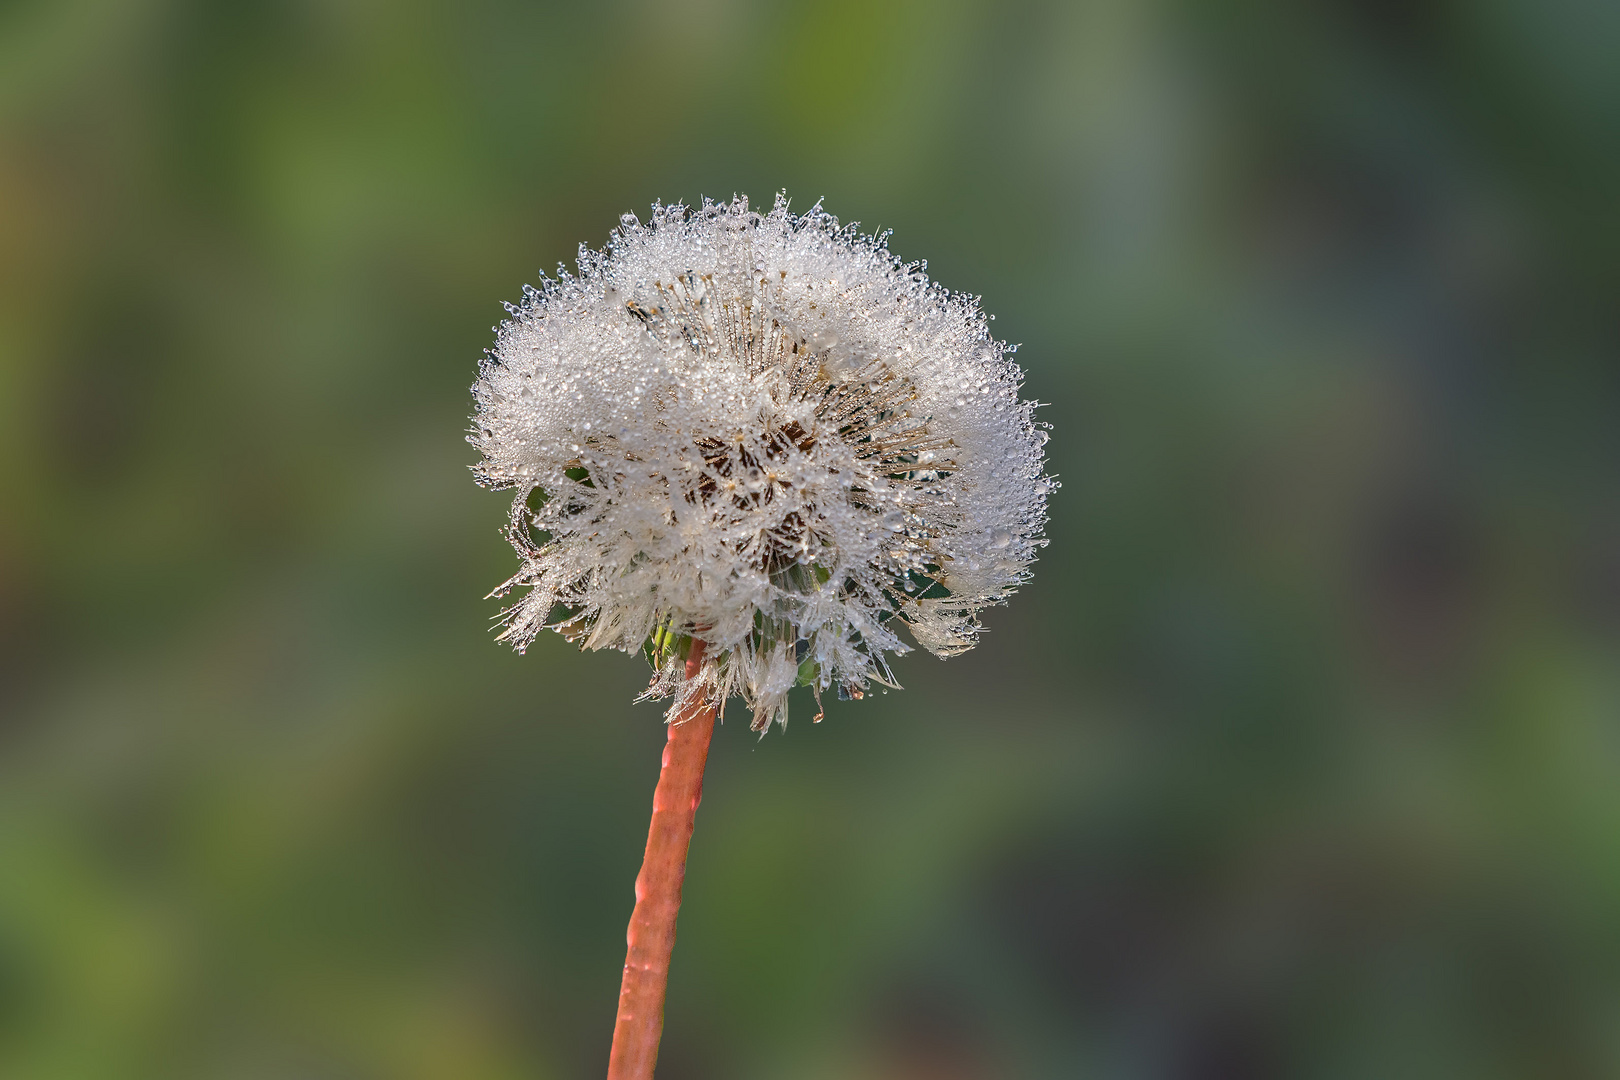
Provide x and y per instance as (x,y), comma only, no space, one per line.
(1299,757)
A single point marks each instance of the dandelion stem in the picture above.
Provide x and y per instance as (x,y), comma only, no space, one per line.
(651,936)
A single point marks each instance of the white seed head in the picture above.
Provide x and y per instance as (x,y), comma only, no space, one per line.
(764,431)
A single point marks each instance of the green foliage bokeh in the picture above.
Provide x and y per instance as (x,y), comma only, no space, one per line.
(1299,757)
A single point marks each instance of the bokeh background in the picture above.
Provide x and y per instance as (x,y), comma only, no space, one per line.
(1299,757)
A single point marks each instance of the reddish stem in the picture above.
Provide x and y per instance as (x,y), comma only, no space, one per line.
(651,936)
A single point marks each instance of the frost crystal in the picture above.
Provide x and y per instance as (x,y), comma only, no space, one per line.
(764,431)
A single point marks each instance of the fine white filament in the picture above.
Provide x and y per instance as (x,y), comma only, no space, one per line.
(764,431)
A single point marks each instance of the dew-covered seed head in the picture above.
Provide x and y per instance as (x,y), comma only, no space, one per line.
(764,431)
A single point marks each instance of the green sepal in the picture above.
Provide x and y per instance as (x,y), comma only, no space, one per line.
(808,670)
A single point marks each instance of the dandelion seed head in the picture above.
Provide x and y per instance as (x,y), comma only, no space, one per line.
(764,431)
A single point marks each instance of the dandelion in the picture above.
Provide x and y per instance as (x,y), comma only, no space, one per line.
(758,448)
